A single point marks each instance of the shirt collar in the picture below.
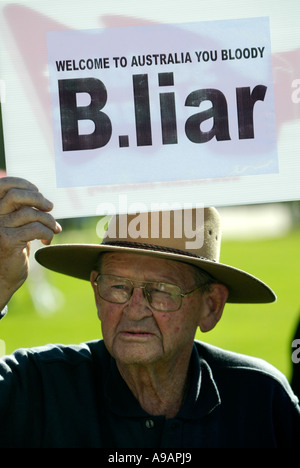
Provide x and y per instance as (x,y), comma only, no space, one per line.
(202,395)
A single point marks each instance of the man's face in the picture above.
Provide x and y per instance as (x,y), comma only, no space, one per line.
(133,332)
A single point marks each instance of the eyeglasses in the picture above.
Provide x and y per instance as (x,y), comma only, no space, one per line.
(163,297)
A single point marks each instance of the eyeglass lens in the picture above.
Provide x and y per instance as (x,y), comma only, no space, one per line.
(161,296)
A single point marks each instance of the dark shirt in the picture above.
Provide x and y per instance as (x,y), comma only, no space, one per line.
(74,396)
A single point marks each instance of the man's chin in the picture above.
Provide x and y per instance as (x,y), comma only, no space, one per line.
(134,350)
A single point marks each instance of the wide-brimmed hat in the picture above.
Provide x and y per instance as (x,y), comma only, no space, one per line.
(166,235)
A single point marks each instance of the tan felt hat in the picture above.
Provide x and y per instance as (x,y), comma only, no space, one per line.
(189,236)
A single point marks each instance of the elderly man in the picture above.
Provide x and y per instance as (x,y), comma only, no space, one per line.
(148,383)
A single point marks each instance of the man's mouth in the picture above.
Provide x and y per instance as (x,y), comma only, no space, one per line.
(136,333)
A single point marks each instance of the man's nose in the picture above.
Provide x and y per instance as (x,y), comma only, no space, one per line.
(138,306)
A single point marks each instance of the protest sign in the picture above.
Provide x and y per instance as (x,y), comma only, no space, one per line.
(162,103)
(111,111)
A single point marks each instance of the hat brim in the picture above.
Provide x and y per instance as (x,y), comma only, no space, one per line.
(78,260)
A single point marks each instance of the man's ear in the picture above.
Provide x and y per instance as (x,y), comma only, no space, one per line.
(93,276)
(214,302)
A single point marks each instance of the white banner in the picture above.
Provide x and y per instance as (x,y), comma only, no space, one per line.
(193,103)
(162,103)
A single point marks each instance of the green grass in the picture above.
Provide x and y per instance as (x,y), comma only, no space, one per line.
(265,331)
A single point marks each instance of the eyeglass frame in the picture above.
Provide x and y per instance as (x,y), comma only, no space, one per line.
(146,293)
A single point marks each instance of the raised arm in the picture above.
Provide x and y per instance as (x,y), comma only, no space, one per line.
(23,217)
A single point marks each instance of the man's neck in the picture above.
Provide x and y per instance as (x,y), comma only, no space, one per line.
(160,391)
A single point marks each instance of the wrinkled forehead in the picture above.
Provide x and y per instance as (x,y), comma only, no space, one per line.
(150,267)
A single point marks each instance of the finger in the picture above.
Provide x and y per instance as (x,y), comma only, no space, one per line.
(15,241)
(36,230)
(26,215)
(30,232)
(16,198)
(7,183)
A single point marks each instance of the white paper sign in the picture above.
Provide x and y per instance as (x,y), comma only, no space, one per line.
(161,103)
(125,173)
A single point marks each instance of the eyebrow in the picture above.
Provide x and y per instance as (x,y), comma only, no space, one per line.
(182,282)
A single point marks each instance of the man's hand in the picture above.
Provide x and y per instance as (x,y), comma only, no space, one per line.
(23,217)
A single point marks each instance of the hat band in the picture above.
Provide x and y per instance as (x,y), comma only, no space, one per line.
(156,248)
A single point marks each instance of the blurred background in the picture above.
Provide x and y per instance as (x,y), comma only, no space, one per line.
(261,239)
